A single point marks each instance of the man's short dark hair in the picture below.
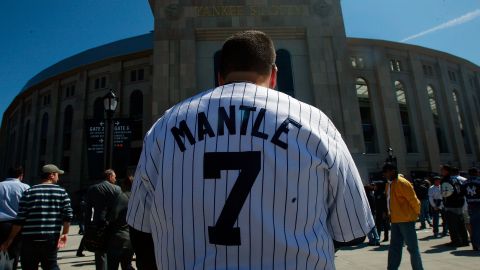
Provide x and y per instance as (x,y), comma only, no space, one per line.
(107,173)
(15,172)
(45,175)
(447,168)
(388,166)
(473,171)
(247,51)
(454,170)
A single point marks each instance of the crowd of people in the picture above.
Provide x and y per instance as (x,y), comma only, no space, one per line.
(35,221)
(157,225)
(397,202)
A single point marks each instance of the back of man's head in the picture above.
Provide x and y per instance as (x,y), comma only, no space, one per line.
(15,172)
(473,171)
(108,173)
(247,51)
(388,166)
(454,171)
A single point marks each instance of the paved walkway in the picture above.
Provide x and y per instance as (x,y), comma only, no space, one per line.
(434,255)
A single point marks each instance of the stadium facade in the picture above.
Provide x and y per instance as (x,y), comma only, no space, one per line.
(419,101)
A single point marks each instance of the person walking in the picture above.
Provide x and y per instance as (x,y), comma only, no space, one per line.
(436,202)
(454,202)
(43,210)
(382,220)
(421,187)
(244,176)
(81,225)
(119,247)
(404,209)
(472,195)
(99,200)
(11,190)
(373,237)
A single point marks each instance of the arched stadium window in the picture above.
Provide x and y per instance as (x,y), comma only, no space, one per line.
(11,146)
(136,114)
(442,143)
(404,117)
(458,109)
(368,127)
(67,128)
(216,67)
(98,109)
(25,142)
(43,134)
(285,75)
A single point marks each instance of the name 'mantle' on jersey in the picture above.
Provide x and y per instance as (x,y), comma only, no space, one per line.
(246,176)
(228,120)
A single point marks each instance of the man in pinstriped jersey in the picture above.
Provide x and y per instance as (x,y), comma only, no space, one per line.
(243,176)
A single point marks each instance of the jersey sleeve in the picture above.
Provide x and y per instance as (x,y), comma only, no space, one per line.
(349,214)
(143,188)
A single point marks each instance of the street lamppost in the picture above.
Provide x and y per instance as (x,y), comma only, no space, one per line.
(110,102)
(391,158)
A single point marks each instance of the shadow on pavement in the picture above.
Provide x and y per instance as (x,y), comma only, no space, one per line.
(354,247)
(466,253)
(439,249)
(66,250)
(381,248)
(365,245)
(83,264)
(74,257)
(430,237)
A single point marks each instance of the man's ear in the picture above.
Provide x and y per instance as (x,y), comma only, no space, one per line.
(273,78)
(220,79)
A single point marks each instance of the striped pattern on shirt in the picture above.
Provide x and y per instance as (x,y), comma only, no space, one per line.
(43,209)
(245,177)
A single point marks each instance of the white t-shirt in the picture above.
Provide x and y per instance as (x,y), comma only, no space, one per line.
(246,177)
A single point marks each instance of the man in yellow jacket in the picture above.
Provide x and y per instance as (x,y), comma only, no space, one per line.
(404,208)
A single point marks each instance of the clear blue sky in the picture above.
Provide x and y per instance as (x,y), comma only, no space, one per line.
(36,34)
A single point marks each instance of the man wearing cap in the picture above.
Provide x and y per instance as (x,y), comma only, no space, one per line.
(11,190)
(404,209)
(43,210)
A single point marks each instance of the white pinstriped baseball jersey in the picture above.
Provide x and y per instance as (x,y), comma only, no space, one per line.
(245,177)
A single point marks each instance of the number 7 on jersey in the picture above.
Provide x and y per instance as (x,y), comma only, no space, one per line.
(249,164)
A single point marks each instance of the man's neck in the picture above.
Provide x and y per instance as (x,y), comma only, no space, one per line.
(249,77)
(47,182)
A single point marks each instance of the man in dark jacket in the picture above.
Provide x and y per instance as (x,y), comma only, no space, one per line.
(381,210)
(454,201)
(421,190)
(99,202)
(119,247)
(472,194)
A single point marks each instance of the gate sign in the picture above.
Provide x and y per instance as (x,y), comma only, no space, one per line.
(122,134)
(95,136)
